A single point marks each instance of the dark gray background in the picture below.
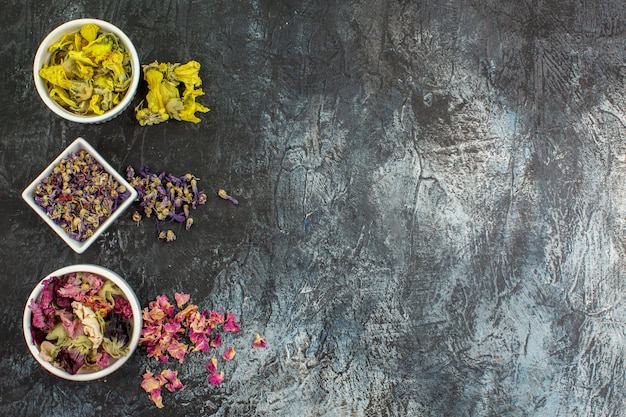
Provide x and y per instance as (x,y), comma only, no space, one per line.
(431,218)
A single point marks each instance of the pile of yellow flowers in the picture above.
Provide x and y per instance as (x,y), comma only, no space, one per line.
(89,71)
(164,100)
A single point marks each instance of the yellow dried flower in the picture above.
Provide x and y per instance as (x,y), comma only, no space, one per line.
(164,100)
(89,32)
(188,74)
(89,71)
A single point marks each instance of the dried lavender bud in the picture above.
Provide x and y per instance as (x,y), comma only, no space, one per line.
(79,195)
(166,197)
(222,194)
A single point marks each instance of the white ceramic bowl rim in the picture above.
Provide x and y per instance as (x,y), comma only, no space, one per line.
(136,322)
(42,56)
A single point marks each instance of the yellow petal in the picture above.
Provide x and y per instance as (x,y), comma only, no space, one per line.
(94,104)
(63,43)
(153,77)
(97,50)
(60,96)
(103,82)
(113,62)
(55,75)
(78,42)
(83,72)
(188,74)
(81,58)
(90,32)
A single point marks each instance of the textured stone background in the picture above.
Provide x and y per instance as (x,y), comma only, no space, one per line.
(432,206)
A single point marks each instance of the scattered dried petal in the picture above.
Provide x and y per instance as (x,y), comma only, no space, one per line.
(216,378)
(173,382)
(259,342)
(231,324)
(225,196)
(181,299)
(166,197)
(211,367)
(164,99)
(229,354)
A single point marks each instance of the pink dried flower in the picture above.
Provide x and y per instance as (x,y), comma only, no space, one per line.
(231,324)
(122,306)
(229,354)
(216,341)
(259,342)
(152,385)
(211,367)
(216,378)
(173,382)
(177,350)
(181,299)
(103,359)
(215,318)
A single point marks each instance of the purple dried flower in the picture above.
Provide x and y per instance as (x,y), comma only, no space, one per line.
(166,196)
(79,194)
(222,194)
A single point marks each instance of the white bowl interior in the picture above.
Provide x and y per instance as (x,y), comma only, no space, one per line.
(136,322)
(28,196)
(43,56)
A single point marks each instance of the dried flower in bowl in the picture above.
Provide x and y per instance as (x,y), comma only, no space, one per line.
(82,322)
(87,71)
(79,195)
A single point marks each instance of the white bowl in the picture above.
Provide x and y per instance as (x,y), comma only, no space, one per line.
(43,56)
(136,323)
(76,245)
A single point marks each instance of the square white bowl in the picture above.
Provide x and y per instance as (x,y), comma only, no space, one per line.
(78,246)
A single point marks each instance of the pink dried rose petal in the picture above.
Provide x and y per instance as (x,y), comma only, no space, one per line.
(216,378)
(184,314)
(216,341)
(103,359)
(181,299)
(229,354)
(177,350)
(163,303)
(211,366)
(215,318)
(165,326)
(173,382)
(153,315)
(197,322)
(230,325)
(259,342)
(156,398)
(200,342)
(152,385)
(149,382)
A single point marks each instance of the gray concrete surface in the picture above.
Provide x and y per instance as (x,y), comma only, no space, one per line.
(431,216)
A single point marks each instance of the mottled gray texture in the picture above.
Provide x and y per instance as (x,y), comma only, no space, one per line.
(432,206)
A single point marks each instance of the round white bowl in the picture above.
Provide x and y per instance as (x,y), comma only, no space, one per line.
(43,56)
(115,363)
